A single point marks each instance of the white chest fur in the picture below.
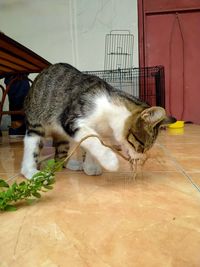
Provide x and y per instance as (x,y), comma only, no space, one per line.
(107,118)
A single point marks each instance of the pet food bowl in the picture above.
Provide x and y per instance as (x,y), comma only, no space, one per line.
(176,125)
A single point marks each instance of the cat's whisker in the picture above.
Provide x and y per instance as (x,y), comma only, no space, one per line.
(133,163)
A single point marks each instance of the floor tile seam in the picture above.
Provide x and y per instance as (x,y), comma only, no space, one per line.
(12,148)
(185,157)
(9,173)
(193,172)
(177,143)
(145,171)
(149,171)
(179,167)
(171,145)
(14,177)
(119,173)
(104,173)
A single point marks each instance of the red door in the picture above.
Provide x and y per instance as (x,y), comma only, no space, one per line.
(171,38)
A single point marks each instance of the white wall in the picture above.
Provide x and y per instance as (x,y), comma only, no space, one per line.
(70,31)
(41,25)
(92,21)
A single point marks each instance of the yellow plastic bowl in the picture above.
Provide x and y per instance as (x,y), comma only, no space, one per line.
(176,131)
(176,125)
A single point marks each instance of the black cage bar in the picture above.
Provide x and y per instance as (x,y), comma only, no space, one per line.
(148,83)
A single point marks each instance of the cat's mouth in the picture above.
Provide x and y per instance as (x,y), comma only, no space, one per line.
(136,143)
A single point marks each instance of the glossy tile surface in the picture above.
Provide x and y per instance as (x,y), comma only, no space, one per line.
(110,220)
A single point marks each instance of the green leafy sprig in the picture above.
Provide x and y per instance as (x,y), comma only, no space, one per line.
(43,180)
(28,190)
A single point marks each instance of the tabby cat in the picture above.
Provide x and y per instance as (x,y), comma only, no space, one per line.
(68,105)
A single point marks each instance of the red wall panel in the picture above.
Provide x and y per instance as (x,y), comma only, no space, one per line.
(165,5)
(172,39)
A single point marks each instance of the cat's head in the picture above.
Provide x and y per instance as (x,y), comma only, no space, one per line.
(143,132)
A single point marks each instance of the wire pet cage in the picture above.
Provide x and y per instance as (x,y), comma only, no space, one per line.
(118,50)
(146,84)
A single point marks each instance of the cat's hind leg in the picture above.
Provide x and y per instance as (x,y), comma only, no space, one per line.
(62,149)
(33,143)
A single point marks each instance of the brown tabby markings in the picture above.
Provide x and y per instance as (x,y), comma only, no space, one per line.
(66,104)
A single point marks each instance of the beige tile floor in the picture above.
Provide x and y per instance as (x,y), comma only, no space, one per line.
(110,220)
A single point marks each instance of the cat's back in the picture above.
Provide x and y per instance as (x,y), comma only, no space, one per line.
(49,89)
(62,89)
(59,83)
(57,75)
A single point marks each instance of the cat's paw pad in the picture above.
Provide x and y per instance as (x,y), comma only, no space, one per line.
(92,169)
(110,161)
(74,165)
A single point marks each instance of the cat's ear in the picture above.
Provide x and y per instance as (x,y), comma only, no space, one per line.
(153,115)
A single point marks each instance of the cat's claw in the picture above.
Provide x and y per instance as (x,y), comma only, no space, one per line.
(74,165)
(110,161)
(92,169)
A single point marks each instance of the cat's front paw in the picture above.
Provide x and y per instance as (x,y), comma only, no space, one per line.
(74,165)
(92,169)
(110,161)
